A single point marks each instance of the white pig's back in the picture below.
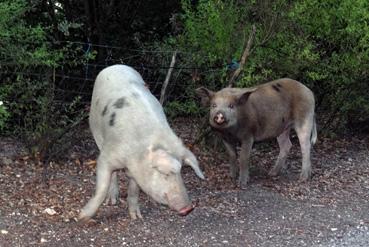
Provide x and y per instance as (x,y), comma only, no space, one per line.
(122,108)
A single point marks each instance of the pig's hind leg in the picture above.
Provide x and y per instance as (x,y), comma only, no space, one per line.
(132,199)
(113,193)
(304,130)
(103,177)
(285,145)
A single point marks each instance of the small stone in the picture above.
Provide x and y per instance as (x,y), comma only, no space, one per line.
(50,211)
(4,232)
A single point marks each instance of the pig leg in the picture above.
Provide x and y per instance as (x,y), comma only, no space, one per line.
(132,199)
(303,133)
(285,145)
(113,193)
(232,151)
(103,176)
(246,147)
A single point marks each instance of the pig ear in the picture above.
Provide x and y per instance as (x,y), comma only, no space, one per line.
(205,95)
(244,97)
(190,159)
(164,162)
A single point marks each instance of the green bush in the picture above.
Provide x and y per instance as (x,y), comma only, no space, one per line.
(4,115)
(339,34)
(28,64)
(175,109)
(213,29)
(324,44)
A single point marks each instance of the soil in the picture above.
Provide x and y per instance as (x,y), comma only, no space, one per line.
(332,209)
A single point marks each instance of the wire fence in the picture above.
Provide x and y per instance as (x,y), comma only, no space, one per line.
(59,97)
(77,81)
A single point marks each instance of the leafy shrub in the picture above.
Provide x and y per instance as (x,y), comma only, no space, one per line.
(4,115)
(324,44)
(213,29)
(175,109)
(338,33)
(28,63)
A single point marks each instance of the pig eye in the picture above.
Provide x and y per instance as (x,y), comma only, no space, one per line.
(214,105)
(231,106)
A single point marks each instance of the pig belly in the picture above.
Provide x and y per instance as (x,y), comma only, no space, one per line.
(272,129)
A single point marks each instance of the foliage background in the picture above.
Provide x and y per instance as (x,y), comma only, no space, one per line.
(51,51)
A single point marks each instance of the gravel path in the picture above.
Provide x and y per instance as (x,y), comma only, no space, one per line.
(330,210)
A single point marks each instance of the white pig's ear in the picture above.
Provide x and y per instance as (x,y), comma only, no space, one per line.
(205,95)
(190,159)
(164,162)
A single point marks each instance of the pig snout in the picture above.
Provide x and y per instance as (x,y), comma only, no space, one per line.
(181,205)
(219,118)
(186,210)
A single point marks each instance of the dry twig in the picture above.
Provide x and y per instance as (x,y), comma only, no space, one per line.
(244,57)
(165,84)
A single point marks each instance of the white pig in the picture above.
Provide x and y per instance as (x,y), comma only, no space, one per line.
(132,133)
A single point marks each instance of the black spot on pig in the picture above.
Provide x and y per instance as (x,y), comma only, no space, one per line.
(279,85)
(112,119)
(275,88)
(97,102)
(120,103)
(135,95)
(105,110)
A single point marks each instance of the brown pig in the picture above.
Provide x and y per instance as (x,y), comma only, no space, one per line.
(245,115)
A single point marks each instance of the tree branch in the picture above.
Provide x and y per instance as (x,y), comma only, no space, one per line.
(165,84)
(244,57)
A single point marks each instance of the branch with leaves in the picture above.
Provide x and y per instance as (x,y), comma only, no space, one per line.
(244,57)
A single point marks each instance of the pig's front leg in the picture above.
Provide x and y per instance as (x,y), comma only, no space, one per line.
(103,176)
(232,152)
(132,199)
(246,147)
(113,193)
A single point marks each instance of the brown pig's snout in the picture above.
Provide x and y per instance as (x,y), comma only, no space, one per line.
(186,210)
(219,118)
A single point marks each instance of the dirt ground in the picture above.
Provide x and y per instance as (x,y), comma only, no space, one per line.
(330,210)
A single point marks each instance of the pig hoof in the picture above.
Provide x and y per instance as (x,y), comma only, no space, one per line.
(305,175)
(243,183)
(134,214)
(84,219)
(112,199)
(113,196)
